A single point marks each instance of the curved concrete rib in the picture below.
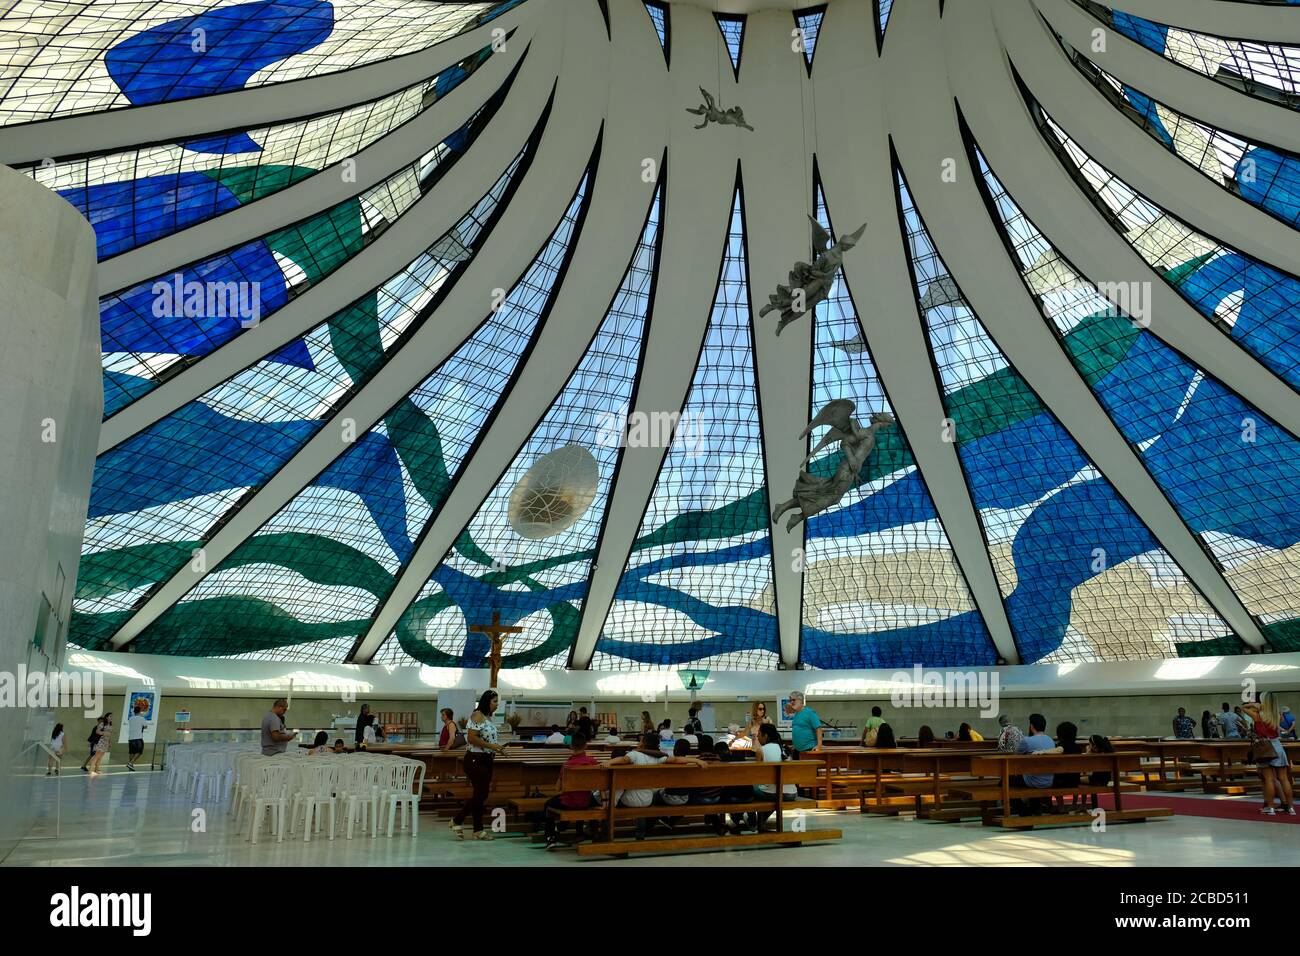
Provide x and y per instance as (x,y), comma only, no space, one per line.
(1138,159)
(317,192)
(1179,87)
(959,222)
(88,133)
(431,216)
(695,217)
(1225,18)
(854,161)
(619,201)
(1056,203)
(505,256)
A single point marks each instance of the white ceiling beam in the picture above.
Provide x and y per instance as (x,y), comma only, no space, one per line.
(695,219)
(1178,87)
(619,202)
(971,246)
(432,216)
(853,157)
(318,192)
(502,260)
(1055,202)
(89,133)
(777,176)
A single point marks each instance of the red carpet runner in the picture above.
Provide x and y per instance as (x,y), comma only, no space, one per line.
(1200,807)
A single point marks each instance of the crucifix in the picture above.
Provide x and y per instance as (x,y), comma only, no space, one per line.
(496,631)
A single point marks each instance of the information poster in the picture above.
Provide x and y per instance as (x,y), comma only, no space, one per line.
(134,693)
(786,723)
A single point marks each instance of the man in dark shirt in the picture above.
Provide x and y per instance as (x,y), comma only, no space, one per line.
(585,727)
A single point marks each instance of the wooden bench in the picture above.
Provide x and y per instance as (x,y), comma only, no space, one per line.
(611,779)
(1005,766)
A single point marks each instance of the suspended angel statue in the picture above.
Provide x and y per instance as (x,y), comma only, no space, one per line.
(732,117)
(811,284)
(814,494)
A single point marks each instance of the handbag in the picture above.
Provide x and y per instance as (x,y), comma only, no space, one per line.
(1261,749)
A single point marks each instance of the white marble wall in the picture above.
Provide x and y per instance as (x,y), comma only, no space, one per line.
(50,388)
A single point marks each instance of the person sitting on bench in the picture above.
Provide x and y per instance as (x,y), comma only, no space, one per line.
(1067,742)
(769,751)
(676,796)
(1099,744)
(1009,736)
(885,738)
(572,799)
(1037,741)
(557,735)
(647,753)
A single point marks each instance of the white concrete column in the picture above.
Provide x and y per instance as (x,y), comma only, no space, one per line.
(51,403)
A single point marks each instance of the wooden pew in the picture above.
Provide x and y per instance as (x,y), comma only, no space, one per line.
(610,779)
(1005,766)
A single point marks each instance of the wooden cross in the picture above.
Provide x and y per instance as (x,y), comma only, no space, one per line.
(496,631)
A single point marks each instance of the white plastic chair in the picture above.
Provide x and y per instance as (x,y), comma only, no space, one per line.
(358,784)
(403,793)
(270,792)
(208,778)
(316,780)
(244,777)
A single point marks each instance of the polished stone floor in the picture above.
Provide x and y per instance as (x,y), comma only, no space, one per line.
(130,819)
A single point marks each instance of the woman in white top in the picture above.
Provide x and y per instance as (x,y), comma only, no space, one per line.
(769,751)
(59,746)
(481,748)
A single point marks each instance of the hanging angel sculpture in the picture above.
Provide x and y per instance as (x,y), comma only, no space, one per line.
(813,493)
(731,117)
(811,284)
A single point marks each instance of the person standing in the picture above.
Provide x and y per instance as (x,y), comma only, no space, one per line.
(275,736)
(100,728)
(585,726)
(805,726)
(481,749)
(103,745)
(363,721)
(135,728)
(447,739)
(647,725)
(1184,726)
(693,725)
(59,745)
(757,720)
(1209,726)
(1229,724)
(1287,728)
(1273,774)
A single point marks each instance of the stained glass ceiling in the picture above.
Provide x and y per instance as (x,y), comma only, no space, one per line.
(455,309)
